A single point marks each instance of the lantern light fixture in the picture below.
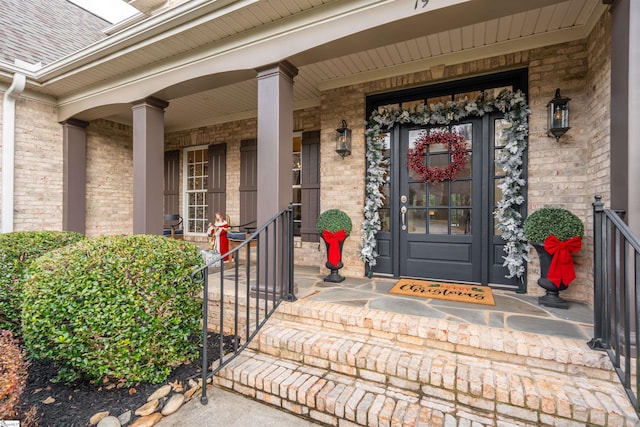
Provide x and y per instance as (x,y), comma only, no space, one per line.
(558,115)
(343,140)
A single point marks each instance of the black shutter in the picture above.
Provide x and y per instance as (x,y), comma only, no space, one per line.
(217,180)
(171,182)
(248,182)
(310,185)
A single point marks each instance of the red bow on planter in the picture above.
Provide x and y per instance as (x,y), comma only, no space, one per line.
(333,240)
(561,269)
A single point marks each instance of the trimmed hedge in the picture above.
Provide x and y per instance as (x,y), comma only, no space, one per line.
(17,250)
(116,307)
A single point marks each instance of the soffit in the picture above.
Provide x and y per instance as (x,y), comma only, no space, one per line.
(553,23)
(477,27)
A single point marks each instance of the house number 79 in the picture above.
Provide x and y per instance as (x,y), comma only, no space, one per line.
(424,3)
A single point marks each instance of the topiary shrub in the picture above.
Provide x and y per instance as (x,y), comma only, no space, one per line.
(13,375)
(117,307)
(334,220)
(552,221)
(17,249)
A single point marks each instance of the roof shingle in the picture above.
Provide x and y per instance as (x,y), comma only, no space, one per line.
(46,30)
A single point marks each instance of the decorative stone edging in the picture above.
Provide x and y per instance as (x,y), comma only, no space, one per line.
(166,400)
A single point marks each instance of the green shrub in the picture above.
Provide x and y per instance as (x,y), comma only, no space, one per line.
(13,375)
(17,249)
(334,220)
(116,307)
(552,221)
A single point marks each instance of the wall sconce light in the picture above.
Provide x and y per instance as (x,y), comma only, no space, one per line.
(558,115)
(343,140)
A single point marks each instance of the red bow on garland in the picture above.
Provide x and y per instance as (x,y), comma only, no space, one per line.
(561,269)
(333,240)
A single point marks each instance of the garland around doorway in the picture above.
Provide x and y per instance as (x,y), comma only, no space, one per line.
(510,158)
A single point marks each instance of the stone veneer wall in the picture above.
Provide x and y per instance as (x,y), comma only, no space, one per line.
(109,178)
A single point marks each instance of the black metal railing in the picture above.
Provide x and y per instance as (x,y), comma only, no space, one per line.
(616,271)
(248,296)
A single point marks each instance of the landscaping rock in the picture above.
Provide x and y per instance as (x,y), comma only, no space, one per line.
(109,421)
(97,417)
(147,408)
(160,393)
(148,420)
(125,417)
(189,393)
(173,404)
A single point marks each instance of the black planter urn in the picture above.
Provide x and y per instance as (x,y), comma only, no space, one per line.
(552,297)
(334,277)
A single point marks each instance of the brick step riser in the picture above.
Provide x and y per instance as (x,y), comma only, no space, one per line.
(459,398)
(323,348)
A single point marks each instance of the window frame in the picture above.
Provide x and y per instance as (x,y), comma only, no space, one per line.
(185,183)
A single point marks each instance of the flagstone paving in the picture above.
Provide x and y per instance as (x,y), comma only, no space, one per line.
(512,311)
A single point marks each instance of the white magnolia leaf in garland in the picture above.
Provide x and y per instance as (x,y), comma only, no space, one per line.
(510,159)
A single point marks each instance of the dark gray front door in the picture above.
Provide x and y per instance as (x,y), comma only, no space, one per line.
(440,223)
(446,230)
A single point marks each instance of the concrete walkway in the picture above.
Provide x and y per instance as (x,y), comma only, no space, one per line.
(227,409)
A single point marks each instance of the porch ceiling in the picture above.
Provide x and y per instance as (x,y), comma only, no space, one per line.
(454,31)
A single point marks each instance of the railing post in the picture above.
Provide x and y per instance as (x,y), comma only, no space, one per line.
(599,291)
(291,291)
(205,314)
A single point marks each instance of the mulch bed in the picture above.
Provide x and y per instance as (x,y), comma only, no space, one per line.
(74,404)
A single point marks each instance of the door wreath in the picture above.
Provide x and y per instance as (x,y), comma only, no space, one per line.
(454,142)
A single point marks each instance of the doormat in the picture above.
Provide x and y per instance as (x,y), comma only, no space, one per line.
(473,294)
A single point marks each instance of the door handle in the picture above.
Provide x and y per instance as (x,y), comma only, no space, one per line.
(403,212)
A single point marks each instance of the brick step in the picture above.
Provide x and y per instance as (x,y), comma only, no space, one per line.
(549,352)
(449,390)
(327,362)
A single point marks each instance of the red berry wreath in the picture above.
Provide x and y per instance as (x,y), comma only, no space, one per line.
(457,148)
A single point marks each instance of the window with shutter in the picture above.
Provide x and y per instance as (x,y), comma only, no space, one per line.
(248,181)
(217,181)
(310,186)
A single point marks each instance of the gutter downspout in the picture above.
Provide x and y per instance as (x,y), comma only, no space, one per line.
(9,148)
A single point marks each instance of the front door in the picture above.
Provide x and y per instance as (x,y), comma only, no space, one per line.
(440,222)
(446,230)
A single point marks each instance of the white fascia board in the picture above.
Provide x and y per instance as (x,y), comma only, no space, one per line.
(155,28)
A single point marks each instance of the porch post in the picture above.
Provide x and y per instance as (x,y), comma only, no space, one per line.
(148,164)
(74,135)
(625,128)
(634,113)
(275,133)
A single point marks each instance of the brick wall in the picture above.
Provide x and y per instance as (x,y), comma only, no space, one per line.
(109,179)
(38,167)
(564,174)
(559,173)
(232,133)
